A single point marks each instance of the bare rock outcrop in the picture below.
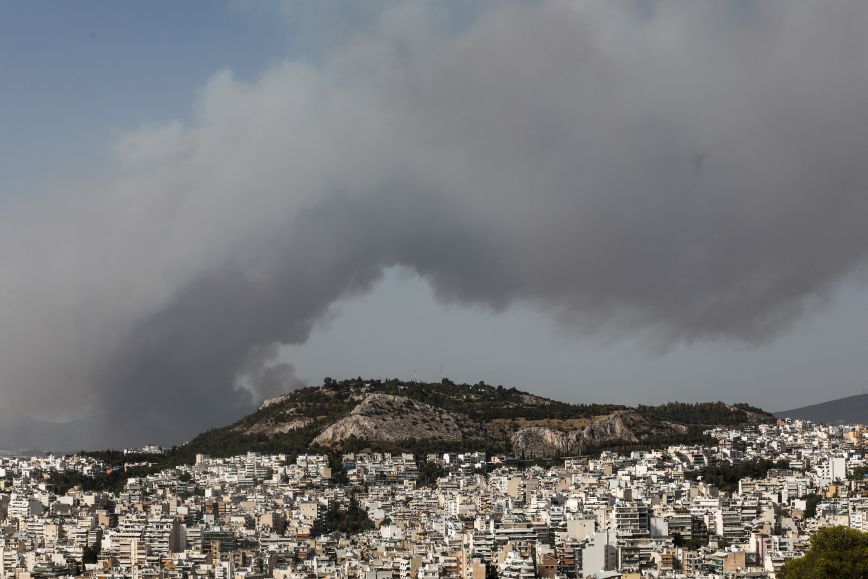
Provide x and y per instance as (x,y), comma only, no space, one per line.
(623,426)
(390,418)
(277,423)
(617,426)
(281,425)
(537,441)
(273,401)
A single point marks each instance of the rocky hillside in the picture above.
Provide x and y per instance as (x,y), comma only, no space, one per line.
(622,427)
(390,418)
(408,416)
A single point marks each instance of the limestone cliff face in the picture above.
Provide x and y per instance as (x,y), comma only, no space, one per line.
(272,401)
(623,426)
(616,426)
(390,418)
(279,423)
(286,424)
(536,441)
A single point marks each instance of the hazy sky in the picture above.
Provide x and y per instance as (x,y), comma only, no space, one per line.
(206,203)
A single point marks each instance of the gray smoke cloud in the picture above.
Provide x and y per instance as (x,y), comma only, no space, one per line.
(264,375)
(689,170)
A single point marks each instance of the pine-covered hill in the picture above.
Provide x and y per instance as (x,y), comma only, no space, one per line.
(396,415)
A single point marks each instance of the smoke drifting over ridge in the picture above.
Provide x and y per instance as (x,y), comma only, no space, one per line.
(698,172)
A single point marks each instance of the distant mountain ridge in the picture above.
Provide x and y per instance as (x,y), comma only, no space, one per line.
(849,410)
(406,416)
